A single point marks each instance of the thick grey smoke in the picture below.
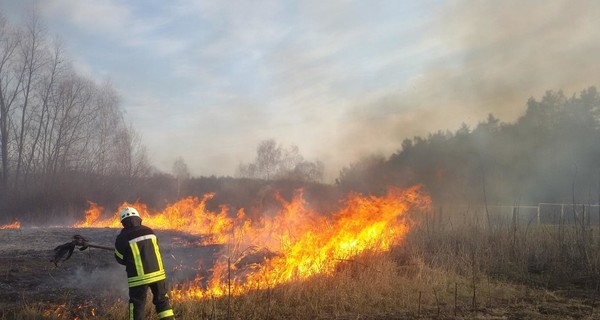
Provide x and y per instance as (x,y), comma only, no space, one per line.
(487,57)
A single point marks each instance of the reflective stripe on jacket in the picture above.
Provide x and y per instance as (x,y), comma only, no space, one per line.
(136,247)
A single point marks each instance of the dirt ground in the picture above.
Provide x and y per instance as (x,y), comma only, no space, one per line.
(27,275)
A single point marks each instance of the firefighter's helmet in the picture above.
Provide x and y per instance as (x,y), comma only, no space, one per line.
(128,212)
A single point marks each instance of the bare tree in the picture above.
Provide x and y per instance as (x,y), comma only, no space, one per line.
(181,172)
(10,86)
(275,162)
(72,113)
(247,170)
(268,156)
(49,78)
(307,171)
(130,156)
(291,157)
(108,122)
(30,49)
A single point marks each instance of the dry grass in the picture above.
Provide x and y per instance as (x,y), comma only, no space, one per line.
(547,256)
(541,272)
(397,285)
(373,286)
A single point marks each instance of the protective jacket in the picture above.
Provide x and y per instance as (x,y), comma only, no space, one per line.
(136,248)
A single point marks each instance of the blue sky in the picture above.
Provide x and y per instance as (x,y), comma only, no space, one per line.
(208,80)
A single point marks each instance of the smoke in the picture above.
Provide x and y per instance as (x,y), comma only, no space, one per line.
(484,57)
(97,273)
(101,281)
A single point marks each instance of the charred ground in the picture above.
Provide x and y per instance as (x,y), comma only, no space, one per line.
(28,277)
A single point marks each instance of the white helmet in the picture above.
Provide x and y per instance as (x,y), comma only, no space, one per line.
(128,212)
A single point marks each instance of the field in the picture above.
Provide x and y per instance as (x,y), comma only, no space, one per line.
(468,272)
(90,283)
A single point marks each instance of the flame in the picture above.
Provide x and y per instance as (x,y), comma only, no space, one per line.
(309,244)
(55,311)
(93,218)
(14,225)
(293,244)
(64,311)
(188,215)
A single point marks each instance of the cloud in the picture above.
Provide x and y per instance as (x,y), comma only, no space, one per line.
(121,24)
(291,72)
(490,57)
(107,16)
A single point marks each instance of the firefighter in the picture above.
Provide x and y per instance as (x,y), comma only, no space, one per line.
(137,249)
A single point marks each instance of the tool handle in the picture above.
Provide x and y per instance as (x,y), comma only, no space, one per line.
(100,247)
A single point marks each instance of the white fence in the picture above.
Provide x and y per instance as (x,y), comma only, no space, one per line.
(542,213)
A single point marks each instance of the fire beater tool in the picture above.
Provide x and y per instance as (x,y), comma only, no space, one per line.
(68,248)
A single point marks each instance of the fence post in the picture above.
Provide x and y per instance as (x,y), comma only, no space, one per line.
(514,218)
(440,220)
(589,216)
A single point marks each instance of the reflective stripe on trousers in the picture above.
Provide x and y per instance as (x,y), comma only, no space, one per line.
(160,299)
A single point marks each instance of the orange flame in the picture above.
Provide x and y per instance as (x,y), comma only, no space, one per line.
(309,244)
(64,311)
(188,215)
(93,218)
(301,242)
(14,225)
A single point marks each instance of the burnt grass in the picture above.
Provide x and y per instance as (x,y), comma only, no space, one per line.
(91,282)
(90,279)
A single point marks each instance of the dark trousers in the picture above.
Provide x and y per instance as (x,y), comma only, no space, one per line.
(160,298)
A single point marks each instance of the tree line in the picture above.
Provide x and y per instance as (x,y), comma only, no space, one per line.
(549,154)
